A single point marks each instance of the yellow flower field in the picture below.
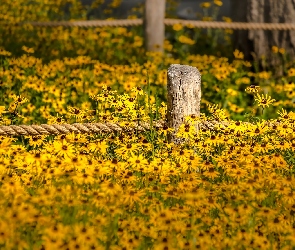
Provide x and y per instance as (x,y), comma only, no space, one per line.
(231,186)
(227,188)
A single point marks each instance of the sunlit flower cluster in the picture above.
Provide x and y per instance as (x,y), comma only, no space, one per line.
(57,88)
(225,187)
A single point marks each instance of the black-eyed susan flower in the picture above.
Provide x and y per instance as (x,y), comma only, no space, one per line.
(264,100)
(211,173)
(76,138)
(218,2)
(4,52)
(177,27)
(28,50)
(58,119)
(291,72)
(264,75)
(282,51)
(238,54)
(275,49)
(18,99)
(83,178)
(132,195)
(36,140)
(63,148)
(186,40)
(2,110)
(137,160)
(259,129)
(76,113)
(285,116)
(111,188)
(253,88)
(227,19)
(186,131)
(205,5)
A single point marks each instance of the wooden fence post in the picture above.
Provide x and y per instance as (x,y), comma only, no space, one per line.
(184,96)
(154,26)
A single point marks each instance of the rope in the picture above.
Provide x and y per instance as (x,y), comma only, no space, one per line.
(233,25)
(90,128)
(90,23)
(167,21)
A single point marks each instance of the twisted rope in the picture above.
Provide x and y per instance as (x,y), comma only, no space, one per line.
(233,25)
(90,23)
(91,128)
(169,21)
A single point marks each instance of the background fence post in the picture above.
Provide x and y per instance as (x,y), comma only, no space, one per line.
(184,96)
(154,26)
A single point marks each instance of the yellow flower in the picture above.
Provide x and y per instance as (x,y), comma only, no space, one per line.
(282,51)
(229,31)
(205,5)
(132,17)
(186,40)
(137,161)
(264,101)
(275,49)
(284,115)
(211,173)
(291,72)
(237,126)
(264,75)
(4,52)
(218,2)
(235,108)
(2,110)
(207,18)
(258,129)
(36,140)
(115,3)
(137,90)
(247,64)
(83,178)
(28,50)
(227,19)
(232,92)
(244,80)
(177,27)
(186,131)
(77,113)
(168,46)
(19,99)
(190,26)
(131,196)
(217,113)
(252,89)
(64,149)
(110,188)
(238,54)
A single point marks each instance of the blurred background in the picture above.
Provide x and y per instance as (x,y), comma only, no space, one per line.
(80,59)
(185,9)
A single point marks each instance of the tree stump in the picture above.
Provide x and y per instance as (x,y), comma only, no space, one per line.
(184,96)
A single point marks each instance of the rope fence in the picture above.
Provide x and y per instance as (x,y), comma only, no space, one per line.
(92,128)
(184,83)
(184,97)
(167,21)
(88,128)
